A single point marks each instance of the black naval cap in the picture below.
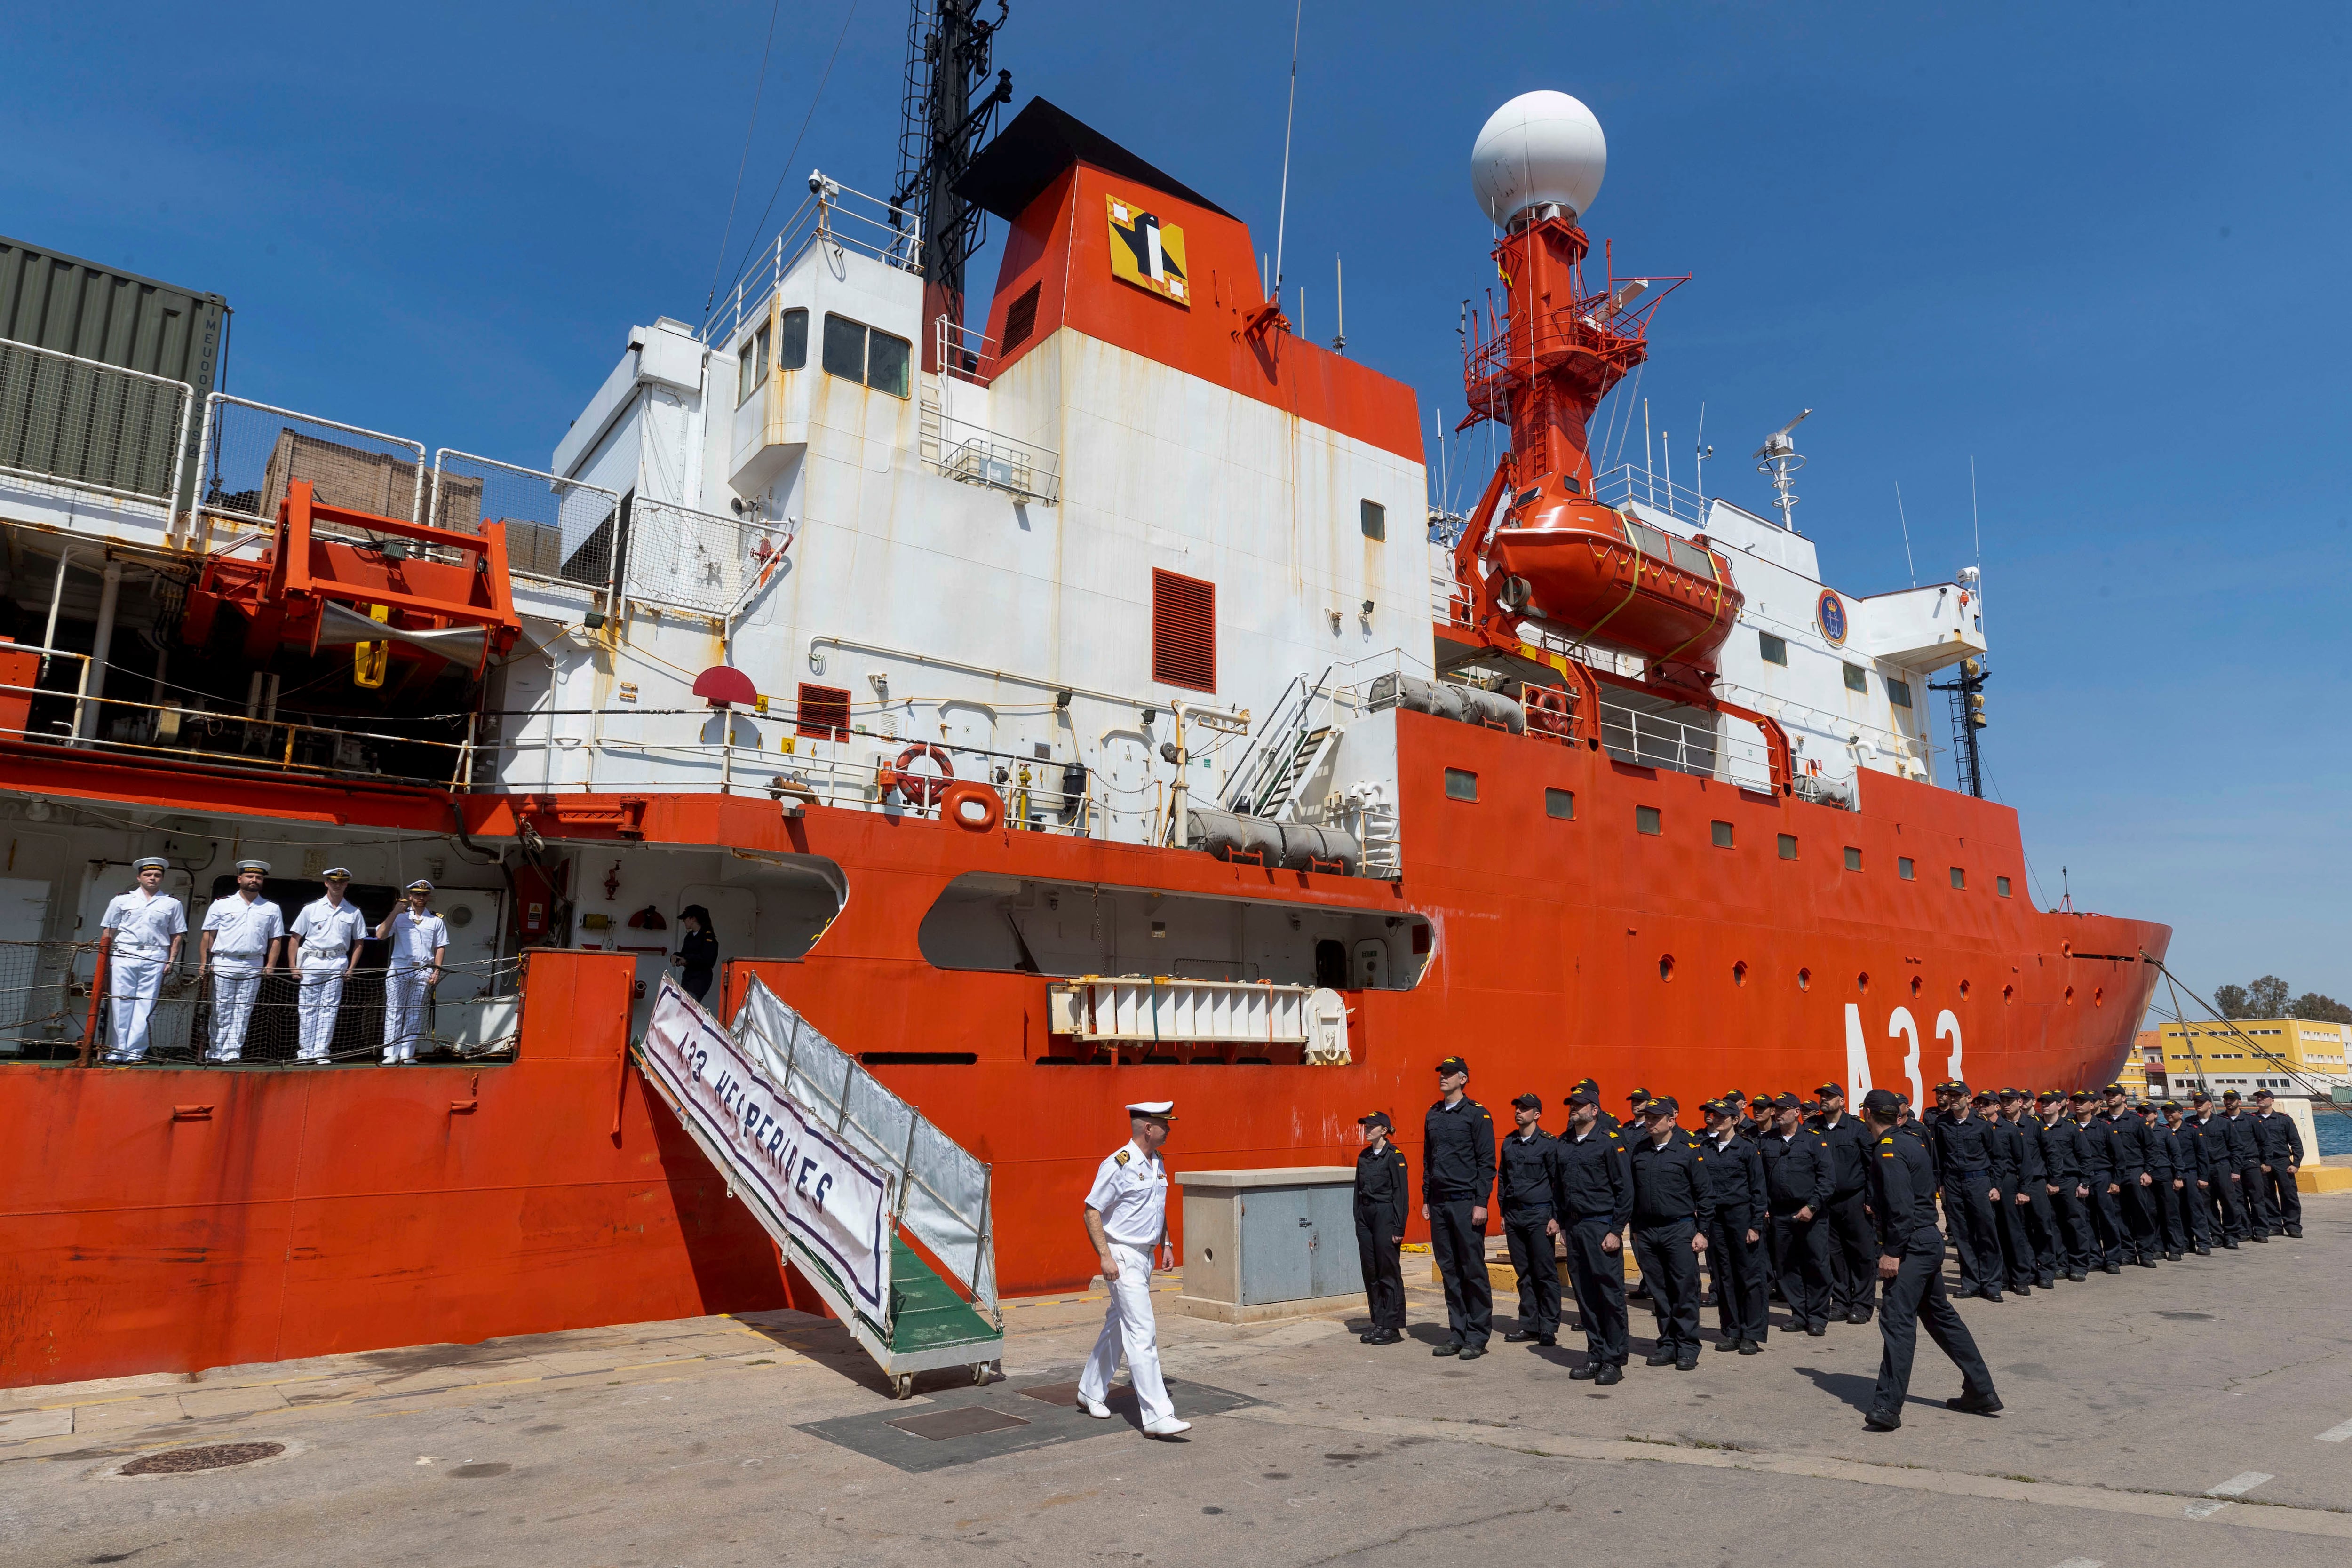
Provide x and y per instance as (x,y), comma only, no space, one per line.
(1982,1096)
(1663,1106)
(1378,1118)
(1787,1103)
(1453,1063)
(2199,1097)
(1959,1085)
(1638,1096)
(2114,1089)
(1582,1094)
(1761,1102)
(2229,1094)
(2170,1105)
(1830,1090)
(2264,1094)
(1586,1083)
(2048,1095)
(1528,1101)
(2081,1095)
(1882,1103)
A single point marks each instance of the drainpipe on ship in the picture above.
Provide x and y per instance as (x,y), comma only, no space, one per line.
(1177,754)
(86,714)
(56,597)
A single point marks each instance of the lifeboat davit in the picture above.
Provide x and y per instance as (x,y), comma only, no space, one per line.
(1611,577)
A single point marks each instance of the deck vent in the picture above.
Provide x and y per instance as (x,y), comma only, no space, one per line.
(1184,631)
(1019,321)
(823,712)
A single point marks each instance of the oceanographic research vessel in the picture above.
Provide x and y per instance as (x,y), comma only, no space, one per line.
(1046,711)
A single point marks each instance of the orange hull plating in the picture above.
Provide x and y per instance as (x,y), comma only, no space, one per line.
(343,1209)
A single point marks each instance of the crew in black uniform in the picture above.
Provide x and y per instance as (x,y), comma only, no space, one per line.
(2032,1198)
(1380,1227)
(1457,1175)
(2191,1216)
(2070,1196)
(2131,1176)
(1964,1162)
(1632,1127)
(2280,1144)
(1853,1247)
(1911,1261)
(1672,1207)
(1593,1202)
(1609,1124)
(2156,1191)
(2100,1175)
(2246,1166)
(1531,1169)
(2214,1162)
(2007,1149)
(1734,1257)
(1798,1177)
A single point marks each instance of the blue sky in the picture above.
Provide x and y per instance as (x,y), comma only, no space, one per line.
(2100,249)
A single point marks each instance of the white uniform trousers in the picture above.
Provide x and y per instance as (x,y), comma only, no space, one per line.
(405,990)
(234,985)
(132,983)
(1129,1327)
(321,999)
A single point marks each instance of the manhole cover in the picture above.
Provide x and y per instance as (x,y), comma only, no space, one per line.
(211,1457)
(965,1421)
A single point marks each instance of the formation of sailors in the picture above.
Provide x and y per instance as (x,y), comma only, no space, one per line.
(1843,1216)
(245,937)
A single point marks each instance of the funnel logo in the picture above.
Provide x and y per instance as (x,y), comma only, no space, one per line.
(1147,253)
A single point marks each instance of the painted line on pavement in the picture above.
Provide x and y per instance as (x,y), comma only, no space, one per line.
(2081,1563)
(2336,1433)
(2217,1498)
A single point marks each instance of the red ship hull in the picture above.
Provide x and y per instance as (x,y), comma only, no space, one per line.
(300,1213)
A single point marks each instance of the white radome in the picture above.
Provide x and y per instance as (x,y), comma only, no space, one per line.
(1540,149)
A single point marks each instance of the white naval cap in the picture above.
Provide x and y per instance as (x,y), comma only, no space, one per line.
(146,860)
(420,885)
(260,866)
(334,874)
(1164,1109)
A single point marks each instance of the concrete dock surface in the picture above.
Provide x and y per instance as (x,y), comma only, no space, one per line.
(2198,1412)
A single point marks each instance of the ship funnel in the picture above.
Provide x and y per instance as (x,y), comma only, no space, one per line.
(1540,150)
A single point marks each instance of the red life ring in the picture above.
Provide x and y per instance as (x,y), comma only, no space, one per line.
(917,789)
(970,792)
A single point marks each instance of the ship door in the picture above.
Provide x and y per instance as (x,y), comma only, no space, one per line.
(1331,964)
(1124,762)
(1370,970)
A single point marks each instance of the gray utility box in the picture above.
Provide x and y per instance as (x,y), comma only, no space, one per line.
(1269,1244)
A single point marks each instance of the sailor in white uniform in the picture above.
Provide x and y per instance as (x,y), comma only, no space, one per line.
(326,937)
(140,937)
(1127,1220)
(239,945)
(419,939)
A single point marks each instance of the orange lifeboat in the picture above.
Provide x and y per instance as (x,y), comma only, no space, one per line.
(1614,578)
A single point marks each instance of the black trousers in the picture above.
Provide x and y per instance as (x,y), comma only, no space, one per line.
(2016,1247)
(1539,1273)
(2278,1192)
(2137,1210)
(1967,1214)
(1671,1269)
(1598,1277)
(1853,1255)
(2078,1247)
(1738,1266)
(2192,1215)
(1383,1272)
(1913,1296)
(1801,1261)
(2259,1219)
(2042,1231)
(2229,1205)
(1461,1249)
(2107,1220)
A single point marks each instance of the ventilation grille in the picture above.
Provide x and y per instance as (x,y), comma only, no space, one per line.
(1020,319)
(823,712)
(1184,631)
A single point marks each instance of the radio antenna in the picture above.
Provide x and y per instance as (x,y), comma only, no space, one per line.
(1281,211)
(1905,522)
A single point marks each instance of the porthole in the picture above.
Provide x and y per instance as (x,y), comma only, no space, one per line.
(1862,981)
(1666,967)
(1804,980)
(1918,986)
(1964,990)
(2099,997)
(1739,972)
(2009,993)
(2070,995)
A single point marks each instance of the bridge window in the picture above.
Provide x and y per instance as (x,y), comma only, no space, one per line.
(1898,692)
(1373,518)
(752,366)
(856,352)
(1855,680)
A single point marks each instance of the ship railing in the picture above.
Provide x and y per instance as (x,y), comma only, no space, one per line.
(1449,601)
(56,1004)
(1629,483)
(98,429)
(60,709)
(558,529)
(1729,748)
(250,454)
(700,560)
(831,214)
(964,353)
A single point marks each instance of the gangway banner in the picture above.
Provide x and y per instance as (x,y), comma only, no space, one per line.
(808,1188)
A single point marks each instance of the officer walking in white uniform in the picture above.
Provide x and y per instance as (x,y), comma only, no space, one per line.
(327,936)
(419,939)
(1127,1220)
(140,937)
(240,944)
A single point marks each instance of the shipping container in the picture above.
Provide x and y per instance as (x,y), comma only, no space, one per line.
(52,300)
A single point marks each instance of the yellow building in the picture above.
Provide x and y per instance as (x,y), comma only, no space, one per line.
(2288,1055)
(2144,1067)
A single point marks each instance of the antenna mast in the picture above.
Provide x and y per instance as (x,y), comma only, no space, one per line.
(1282,212)
(1779,458)
(949,50)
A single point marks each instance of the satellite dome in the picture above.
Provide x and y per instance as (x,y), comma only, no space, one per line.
(1540,149)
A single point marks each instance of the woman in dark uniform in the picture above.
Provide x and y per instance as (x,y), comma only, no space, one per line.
(698,950)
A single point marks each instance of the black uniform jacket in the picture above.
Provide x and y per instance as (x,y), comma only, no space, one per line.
(1902,1192)
(1735,1174)
(1798,1171)
(1380,1190)
(1594,1181)
(1960,1146)
(2239,1131)
(2096,1150)
(2212,1142)
(2035,1167)
(1670,1183)
(1529,1170)
(2278,1139)
(2187,1152)
(2062,1152)
(2128,1138)
(1457,1160)
(2008,1151)
(1849,1143)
